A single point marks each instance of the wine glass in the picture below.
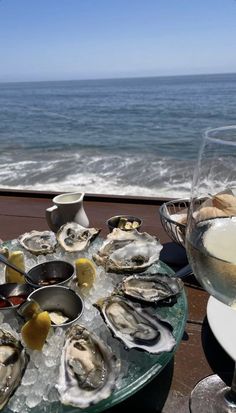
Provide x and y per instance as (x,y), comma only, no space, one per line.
(211,246)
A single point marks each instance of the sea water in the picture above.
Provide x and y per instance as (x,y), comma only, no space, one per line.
(124,136)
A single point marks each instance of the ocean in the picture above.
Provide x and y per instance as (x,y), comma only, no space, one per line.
(136,136)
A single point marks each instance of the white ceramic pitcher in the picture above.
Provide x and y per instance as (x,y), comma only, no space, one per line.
(67,207)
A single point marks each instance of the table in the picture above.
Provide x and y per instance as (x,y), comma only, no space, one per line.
(198,355)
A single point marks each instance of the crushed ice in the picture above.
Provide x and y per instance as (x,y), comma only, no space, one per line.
(37,392)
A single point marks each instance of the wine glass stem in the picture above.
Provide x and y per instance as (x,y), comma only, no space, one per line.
(230,396)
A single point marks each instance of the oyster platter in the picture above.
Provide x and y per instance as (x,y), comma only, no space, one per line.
(131,322)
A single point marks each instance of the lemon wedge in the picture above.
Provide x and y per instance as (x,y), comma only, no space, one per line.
(34,332)
(16,258)
(85,272)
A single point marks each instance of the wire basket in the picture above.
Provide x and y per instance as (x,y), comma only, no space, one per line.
(171,215)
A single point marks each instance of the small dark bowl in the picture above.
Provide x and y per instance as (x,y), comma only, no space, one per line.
(50,273)
(14,290)
(59,298)
(114,221)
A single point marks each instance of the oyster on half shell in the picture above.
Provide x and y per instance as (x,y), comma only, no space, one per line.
(88,369)
(13,361)
(38,242)
(73,237)
(134,326)
(151,288)
(130,252)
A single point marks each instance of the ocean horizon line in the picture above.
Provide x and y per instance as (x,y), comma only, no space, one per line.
(119,78)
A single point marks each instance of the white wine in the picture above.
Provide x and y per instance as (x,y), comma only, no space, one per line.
(211,249)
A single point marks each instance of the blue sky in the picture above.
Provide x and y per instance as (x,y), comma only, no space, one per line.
(83,39)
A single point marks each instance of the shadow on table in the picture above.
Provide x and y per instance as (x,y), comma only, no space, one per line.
(175,256)
(220,362)
(152,397)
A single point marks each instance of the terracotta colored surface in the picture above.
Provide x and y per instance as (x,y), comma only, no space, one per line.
(198,354)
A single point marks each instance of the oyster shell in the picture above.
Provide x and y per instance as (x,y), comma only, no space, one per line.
(134,326)
(73,237)
(38,242)
(128,251)
(88,369)
(150,288)
(13,361)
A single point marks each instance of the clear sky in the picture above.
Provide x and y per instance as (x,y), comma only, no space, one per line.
(83,39)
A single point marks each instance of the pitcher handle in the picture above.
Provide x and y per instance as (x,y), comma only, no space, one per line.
(52,218)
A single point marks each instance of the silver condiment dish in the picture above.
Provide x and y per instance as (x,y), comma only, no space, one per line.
(14,290)
(60,300)
(116,222)
(50,273)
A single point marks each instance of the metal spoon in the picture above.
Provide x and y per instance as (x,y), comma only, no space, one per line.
(6,262)
(28,308)
(2,297)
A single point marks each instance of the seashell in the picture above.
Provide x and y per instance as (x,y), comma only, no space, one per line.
(88,369)
(150,289)
(38,242)
(13,361)
(134,326)
(4,251)
(128,251)
(73,237)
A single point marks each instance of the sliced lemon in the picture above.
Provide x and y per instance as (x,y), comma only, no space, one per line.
(16,258)
(85,272)
(34,332)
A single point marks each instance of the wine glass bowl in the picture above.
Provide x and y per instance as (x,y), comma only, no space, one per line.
(211,245)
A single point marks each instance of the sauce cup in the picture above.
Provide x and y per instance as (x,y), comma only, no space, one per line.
(50,273)
(63,304)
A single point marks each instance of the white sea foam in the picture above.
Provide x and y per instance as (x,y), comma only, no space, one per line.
(129,176)
(103,187)
(141,175)
(122,174)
